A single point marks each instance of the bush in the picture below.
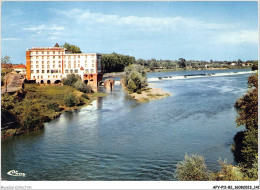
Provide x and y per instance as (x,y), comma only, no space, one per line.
(229,172)
(71,79)
(33,119)
(70,99)
(53,106)
(84,96)
(193,168)
(82,87)
(135,78)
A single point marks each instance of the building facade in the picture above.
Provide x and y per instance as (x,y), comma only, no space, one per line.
(51,64)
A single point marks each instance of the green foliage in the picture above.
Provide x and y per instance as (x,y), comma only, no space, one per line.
(53,106)
(116,62)
(182,63)
(71,79)
(70,99)
(82,87)
(135,78)
(252,173)
(33,119)
(250,147)
(255,66)
(84,96)
(193,168)
(248,114)
(71,48)
(228,173)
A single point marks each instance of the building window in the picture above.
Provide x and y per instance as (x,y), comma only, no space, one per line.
(74,65)
(48,76)
(53,65)
(71,70)
(92,56)
(42,62)
(42,66)
(42,57)
(78,65)
(78,61)
(86,65)
(37,62)
(64,61)
(36,57)
(36,52)
(74,56)
(53,53)
(59,57)
(92,65)
(48,62)
(48,71)
(92,61)
(32,71)
(53,57)
(86,56)
(59,71)
(74,61)
(41,77)
(47,52)
(48,66)
(64,65)
(42,52)
(86,70)
(37,71)
(37,77)
(92,70)
(85,61)
(59,61)
(76,71)
(42,71)
(37,66)
(53,61)
(61,76)
(69,66)
(66,71)
(79,56)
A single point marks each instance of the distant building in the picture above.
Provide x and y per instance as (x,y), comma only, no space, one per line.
(21,69)
(233,64)
(51,64)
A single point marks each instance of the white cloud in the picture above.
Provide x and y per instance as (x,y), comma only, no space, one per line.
(147,23)
(10,39)
(237,37)
(44,27)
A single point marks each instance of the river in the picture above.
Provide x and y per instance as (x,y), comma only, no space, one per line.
(118,139)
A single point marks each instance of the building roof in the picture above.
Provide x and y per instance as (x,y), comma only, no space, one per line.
(20,66)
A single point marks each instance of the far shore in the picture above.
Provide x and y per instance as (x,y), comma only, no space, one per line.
(120,74)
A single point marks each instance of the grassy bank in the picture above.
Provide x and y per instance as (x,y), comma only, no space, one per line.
(28,109)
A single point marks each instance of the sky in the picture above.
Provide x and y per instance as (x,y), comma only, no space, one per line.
(161,30)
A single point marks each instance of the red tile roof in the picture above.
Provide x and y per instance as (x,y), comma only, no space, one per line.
(20,66)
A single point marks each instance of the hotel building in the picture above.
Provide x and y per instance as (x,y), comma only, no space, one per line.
(51,64)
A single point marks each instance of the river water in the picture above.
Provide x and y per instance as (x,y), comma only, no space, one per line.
(118,139)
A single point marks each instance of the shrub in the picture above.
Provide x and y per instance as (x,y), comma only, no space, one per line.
(84,96)
(228,172)
(71,79)
(33,119)
(82,87)
(193,168)
(135,78)
(70,99)
(53,106)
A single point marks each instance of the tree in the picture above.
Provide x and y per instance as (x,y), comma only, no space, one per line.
(71,48)
(135,78)
(5,63)
(182,63)
(192,168)
(246,152)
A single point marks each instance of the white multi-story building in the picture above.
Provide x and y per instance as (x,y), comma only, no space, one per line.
(51,64)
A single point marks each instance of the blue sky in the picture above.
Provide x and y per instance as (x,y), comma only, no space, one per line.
(160,30)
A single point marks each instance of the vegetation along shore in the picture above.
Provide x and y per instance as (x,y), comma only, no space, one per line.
(28,109)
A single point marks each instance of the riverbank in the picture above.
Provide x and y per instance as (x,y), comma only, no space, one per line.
(150,93)
(120,74)
(28,109)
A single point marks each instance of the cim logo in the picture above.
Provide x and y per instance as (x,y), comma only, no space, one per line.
(15,173)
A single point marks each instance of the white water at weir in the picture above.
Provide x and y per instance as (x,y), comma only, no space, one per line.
(198,76)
